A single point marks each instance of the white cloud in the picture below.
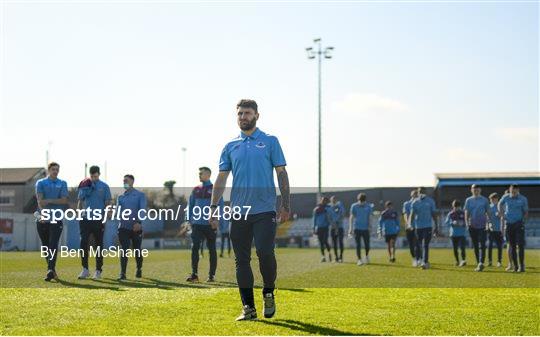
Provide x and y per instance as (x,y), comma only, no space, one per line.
(521,135)
(370,103)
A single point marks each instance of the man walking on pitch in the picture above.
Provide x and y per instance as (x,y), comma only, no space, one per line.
(515,209)
(322,220)
(455,220)
(389,227)
(359,220)
(476,214)
(130,231)
(51,194)
(337,231)
(93,194)
(423,211)
(252,157)
(410,230)
(199,200)
(495,236)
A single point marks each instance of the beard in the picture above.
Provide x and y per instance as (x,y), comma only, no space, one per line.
(248,125)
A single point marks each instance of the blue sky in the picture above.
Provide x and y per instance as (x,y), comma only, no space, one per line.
(413,88)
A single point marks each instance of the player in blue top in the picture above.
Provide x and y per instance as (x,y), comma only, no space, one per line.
(409,231)
(359,221)
(495,230)
(93,196)
(423,215)
(322,220)
(198,206)
(51,194)
(336,230)
(455,220)
(515,209)
(130,230)
(476,214)
(389,227)
(252,157)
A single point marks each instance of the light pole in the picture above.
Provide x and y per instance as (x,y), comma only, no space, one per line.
(184,170)
(312,53)
(48,153)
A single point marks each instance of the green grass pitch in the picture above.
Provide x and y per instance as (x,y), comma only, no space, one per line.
(313,298)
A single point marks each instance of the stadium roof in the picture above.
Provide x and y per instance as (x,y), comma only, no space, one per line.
(488,179)
(20,175)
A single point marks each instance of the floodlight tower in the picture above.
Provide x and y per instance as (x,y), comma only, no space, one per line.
(318,52)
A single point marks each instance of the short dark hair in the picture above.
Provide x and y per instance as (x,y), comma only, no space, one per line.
(94,169)
(362,196)
(494,195)
(204,168)
(247,103)
(388,203)
(514,186)
(456,203)
(421,190)
(51,164)
(130,176)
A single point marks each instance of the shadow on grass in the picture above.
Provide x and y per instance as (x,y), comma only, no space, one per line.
(171,284)
(86,285)
(311,329)
(117,285)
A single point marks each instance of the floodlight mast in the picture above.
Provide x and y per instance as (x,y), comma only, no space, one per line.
(311,54)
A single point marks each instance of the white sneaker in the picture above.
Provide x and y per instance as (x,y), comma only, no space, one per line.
(323,259)
(84,274)
(97,275)
(359,262)
(415,263)
(367,260)
(248,314)
(426,265)
(499,265)
(462,263)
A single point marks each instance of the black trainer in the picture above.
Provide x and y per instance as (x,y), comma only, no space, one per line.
(50,276)
(269,305)
(193,278)
(138,274)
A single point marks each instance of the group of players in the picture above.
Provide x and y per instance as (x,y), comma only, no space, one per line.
(252,157)
(484,220)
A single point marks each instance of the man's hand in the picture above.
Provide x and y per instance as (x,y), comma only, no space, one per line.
(284,214)
(137,227)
